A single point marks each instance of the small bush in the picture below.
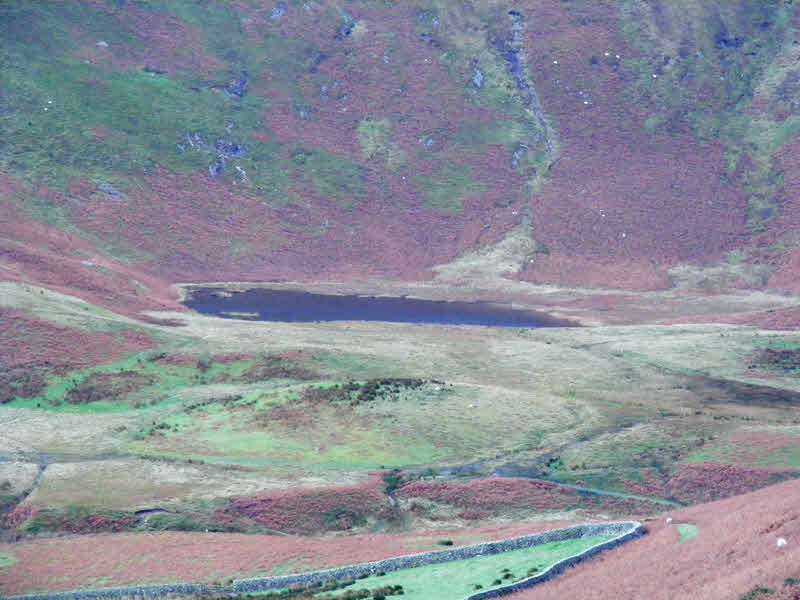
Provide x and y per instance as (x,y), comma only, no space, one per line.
(172,522)
(445,542)
(756,592)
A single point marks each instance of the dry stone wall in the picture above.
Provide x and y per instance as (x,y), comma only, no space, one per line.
(621,532)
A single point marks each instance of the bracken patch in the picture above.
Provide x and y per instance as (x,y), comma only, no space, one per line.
(107,386)
(496,495)
(704,482)
(52,346)
(308,511)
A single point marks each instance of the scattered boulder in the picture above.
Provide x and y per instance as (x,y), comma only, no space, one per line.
(428,28)
(477,75)
(427,142)
(346,28)
(217,168)
(316,60)
(237,87)
(279,10)
(303,111)
(110,191)
(430,40)
(228,148)
(430,18)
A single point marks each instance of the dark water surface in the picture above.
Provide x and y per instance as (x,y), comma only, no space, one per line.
(298,306)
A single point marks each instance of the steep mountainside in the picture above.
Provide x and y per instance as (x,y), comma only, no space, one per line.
(639,144)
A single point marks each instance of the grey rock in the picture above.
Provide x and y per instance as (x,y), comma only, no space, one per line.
(228,148)
(303,112)
(217,168)
(279,10)
(110,191)
(427,142)
(316,60)
(237,87)
(477,77)
(517,155)
(345,29)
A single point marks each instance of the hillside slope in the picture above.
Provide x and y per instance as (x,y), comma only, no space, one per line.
(734,551)
(637,143)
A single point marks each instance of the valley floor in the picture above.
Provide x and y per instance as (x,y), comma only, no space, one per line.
(352,441)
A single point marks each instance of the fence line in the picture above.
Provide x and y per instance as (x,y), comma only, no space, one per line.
(621,532)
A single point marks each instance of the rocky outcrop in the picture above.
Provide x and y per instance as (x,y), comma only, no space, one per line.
(507,37)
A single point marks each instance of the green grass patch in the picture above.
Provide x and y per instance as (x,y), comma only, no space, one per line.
(278,432)
(758,592)
(609,480)
(219,20)
(446,190)
(338,364)
(375,138)
(279,424)
(510,133)
(175,522)
(643,445)
(785,458)
(84,518)
(686,531)
(7,559)
(333,177)
(285,424)
(717,453)
(777,343)
(144,379)
(54,103)
(458,579)
(736,453)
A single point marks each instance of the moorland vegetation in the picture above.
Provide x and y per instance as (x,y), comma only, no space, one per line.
(630,165)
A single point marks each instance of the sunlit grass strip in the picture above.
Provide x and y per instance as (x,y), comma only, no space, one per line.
(458,579)
(686,531)
(618,532)
(6,560)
